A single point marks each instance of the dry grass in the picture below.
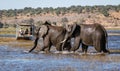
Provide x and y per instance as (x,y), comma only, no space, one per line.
(9,30)
(113,28)
(6,39)
(12,42)
(22,44)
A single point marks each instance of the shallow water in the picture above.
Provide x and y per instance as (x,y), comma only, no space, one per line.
(114,42)
(16,59)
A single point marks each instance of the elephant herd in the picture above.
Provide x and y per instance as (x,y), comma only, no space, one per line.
(83,34)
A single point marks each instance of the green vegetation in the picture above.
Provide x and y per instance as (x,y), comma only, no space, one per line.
(60,10)
(27,15)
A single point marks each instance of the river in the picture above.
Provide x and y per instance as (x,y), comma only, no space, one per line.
(16,59)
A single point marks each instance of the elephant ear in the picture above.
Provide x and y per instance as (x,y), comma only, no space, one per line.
(70,27)
(43,30)
(70,30)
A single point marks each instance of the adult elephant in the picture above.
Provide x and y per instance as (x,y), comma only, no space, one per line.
(87,35)
(52,35)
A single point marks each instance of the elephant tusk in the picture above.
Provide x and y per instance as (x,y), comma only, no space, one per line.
(63,41)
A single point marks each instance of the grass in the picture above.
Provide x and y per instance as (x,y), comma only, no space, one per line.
(9,30)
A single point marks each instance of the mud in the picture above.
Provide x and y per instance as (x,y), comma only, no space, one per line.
(13,57)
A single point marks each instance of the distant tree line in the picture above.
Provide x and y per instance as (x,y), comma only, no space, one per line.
(60,10)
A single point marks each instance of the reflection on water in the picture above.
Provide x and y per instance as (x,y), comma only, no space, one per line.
(15,59)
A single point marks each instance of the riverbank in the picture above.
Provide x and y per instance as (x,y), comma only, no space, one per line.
(113,28)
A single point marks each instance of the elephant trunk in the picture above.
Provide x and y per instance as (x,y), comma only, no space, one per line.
(64,41)
(68,34)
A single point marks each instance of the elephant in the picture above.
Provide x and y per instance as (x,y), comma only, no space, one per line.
(87,35)
(52,35)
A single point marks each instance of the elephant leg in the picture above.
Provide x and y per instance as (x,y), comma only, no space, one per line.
(35,44)
(67,45)
(105,50)
(58,47)
(103,46)
(76,44)
(97,46)
(46,47)
(46,43)
(100,44)
(84,48)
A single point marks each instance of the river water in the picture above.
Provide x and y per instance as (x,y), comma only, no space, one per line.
(16,59)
